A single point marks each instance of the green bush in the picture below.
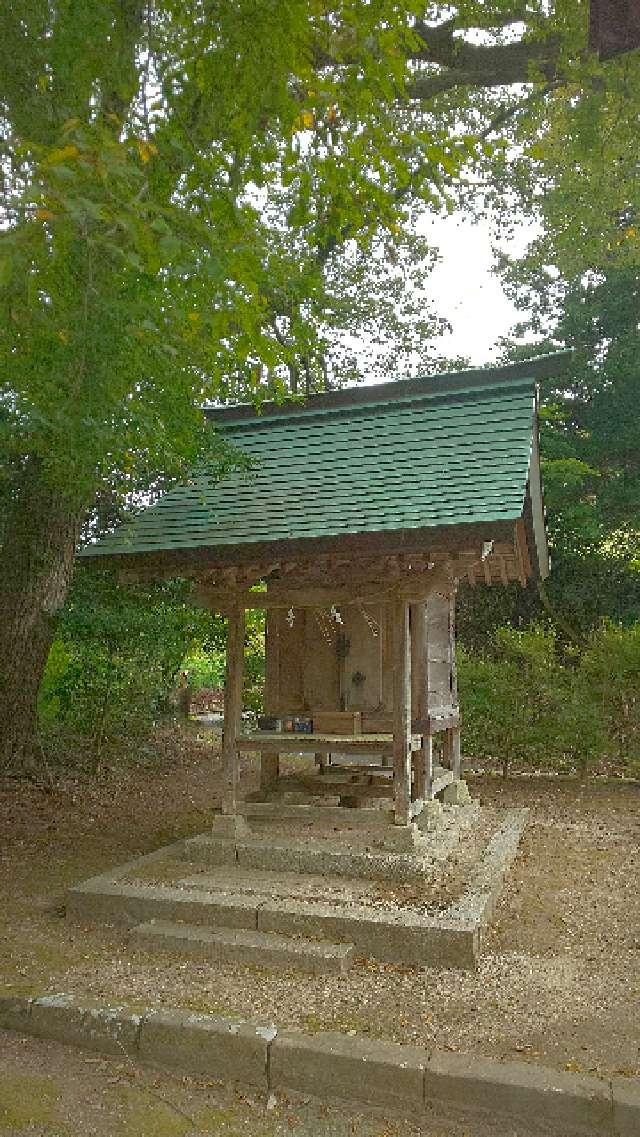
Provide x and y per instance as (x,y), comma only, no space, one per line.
(116,655)
(508,695)
(113,667)
(522,703)
(611,669)
(205,664)
(204,668)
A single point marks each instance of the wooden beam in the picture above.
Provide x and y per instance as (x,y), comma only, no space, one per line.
(447,756)
(232,709)
(427,759)
(436,724)
(401,712)
(293,743)
(432,541)
(413,589)
(272,663)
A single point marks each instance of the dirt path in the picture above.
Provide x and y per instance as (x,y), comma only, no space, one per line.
(560,975)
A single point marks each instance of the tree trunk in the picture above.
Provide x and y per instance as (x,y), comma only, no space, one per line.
(40,532)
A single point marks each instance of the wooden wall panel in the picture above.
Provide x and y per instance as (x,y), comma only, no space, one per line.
(284,664)
(439,652)
(303,670)
(320,668)
(363,659)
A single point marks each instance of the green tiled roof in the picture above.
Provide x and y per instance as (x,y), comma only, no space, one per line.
(443,451)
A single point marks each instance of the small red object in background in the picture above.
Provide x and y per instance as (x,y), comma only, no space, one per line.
(614,27)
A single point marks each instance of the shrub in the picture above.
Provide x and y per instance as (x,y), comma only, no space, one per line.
(117,652)
(521,704)
(611,670)
(508,694)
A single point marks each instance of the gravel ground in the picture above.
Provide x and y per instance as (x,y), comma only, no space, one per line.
(559,980)
(47,1090)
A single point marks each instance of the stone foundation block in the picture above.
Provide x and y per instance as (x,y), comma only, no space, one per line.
(377,864)
(252,949)
(15,1012)
(430,815)
(109,1030)
(130,905)
(568,1103)
(205,1045)
(210,850)
(335,1066)
(230,826)
(456,793)
(409,938)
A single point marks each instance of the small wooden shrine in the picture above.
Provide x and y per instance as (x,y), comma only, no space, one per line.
(351,522)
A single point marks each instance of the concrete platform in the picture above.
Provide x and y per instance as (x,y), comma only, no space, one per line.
(311,856)
(257,949)
(332,893)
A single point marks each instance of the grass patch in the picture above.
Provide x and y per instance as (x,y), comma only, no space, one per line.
(28,1100)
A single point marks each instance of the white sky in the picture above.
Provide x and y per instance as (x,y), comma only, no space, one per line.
(463,288)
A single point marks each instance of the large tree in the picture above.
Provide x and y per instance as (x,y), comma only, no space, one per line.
(180,181)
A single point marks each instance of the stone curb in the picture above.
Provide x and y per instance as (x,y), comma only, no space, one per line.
(399,1080)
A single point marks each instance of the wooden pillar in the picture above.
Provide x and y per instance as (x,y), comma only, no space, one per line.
(322,761)
(456,763)
(419,708)
(232,709)
(269,770)
(454,744)
(401,713)
(427,746)
(447,749)
(423,776)
(422,759)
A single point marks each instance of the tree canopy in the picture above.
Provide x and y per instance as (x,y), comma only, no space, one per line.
(210,201)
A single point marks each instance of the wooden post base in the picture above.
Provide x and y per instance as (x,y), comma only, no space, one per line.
(269,770)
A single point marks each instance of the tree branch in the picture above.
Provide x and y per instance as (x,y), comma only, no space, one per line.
(495,65)
(465,64)
(440,38)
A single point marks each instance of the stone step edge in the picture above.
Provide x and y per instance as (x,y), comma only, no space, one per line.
(387,1077)
(298,950)
(246,910)
(412,851)
(254,846)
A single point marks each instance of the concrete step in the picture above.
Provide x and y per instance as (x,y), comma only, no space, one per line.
(261,885)
(333,858)
(334,817)
(247,948)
